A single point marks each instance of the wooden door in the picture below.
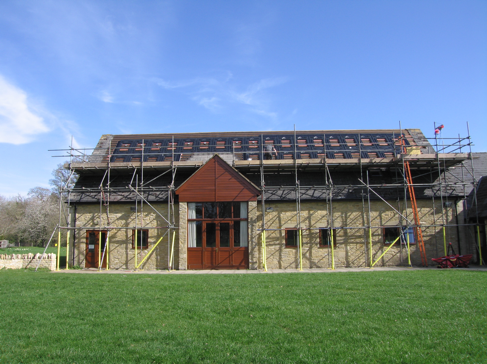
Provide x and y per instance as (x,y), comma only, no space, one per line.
(218,245)
(219,250)
(94,251)
(210,248)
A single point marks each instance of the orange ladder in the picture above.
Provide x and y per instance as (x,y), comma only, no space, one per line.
(417,228)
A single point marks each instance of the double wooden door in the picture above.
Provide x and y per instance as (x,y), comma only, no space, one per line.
(219,249)
(94,251)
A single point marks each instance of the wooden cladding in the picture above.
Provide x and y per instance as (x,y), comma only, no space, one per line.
(217,181)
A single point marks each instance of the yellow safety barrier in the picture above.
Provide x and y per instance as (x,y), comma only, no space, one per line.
(300,250)
(444,241)
(135,261)
(58,249)
(386,250)
(332,251)
(150,251)
(409,251)
(480,246)
(370,243)
(100,263)
(67,250)
(172,250)
(264,253)
(108,248)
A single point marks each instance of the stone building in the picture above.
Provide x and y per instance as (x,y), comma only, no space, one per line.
(263,200)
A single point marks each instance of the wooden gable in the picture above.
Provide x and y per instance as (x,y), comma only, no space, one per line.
(217,181)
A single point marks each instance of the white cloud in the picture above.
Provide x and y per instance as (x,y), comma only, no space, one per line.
(211,103)
(271,115)
(19,123)
(253,94)
(105,96)
(215,94)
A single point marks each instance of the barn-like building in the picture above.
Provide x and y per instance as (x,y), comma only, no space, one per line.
(265,200)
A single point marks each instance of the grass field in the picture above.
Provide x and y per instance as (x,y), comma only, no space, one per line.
(434,316)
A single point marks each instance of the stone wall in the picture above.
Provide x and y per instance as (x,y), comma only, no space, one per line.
(22,261)
(121,254)
(254,234)
(352,240)
(183,237)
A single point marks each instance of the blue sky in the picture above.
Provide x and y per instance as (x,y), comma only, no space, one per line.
(73,70)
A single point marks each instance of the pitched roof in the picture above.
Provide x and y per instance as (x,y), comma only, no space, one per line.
(333,144)
(216,180)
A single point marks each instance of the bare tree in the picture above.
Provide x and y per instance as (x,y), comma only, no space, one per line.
(39,217)
(63,179)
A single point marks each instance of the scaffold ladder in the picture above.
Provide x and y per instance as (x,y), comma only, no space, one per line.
(414,206)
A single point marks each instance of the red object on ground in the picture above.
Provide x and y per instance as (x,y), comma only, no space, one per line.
(453,261)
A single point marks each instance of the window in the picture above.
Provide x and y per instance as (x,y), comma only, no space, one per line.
(224,215)
(292,238)
(195,234)
(393,232)
(325,237)
(408,232)
(217,210)
(142,239)
(390,234)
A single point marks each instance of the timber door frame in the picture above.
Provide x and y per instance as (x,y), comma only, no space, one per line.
(93,251)
(211,254)
(215,256)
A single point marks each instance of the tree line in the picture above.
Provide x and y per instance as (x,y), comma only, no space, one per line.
(31,219)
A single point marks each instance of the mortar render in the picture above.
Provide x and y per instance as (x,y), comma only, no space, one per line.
(121,253)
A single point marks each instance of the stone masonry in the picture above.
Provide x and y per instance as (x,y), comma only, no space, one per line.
(352,240)
(121,255)
(23,261)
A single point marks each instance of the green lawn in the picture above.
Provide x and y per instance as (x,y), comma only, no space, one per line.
(434,316)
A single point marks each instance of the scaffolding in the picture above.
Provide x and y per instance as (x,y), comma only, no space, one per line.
(411,157)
